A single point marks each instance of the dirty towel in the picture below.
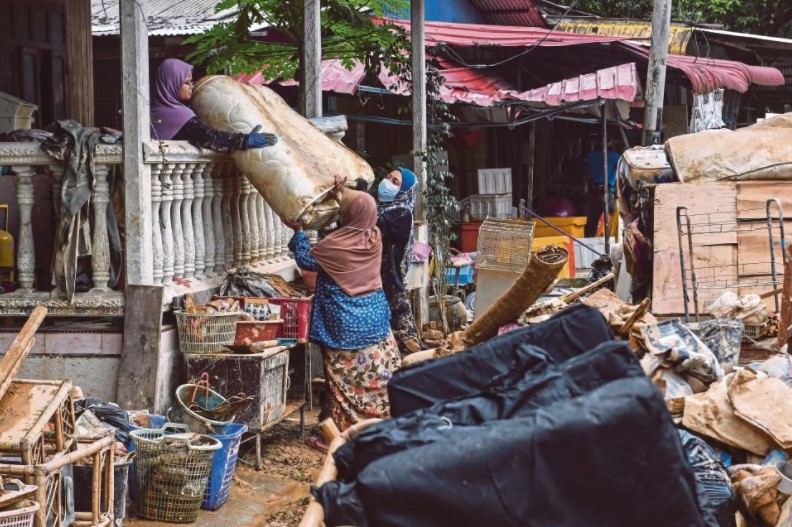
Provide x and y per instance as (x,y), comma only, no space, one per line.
(75,145)
(764,402)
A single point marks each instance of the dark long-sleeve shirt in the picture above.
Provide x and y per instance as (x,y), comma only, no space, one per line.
(396,225)
(199,133)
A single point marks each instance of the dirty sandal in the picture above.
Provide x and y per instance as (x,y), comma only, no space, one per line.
(316,443)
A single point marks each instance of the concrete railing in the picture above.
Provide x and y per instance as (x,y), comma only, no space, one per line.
(206,216)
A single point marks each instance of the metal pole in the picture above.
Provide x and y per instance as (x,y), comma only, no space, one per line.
(531,165)
(605,175)
(312,59)
(656,73)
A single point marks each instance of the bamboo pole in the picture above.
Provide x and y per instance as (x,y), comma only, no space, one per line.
(20,348)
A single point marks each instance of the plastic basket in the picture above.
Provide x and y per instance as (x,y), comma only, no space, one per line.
(465,275)
(19,517)
(223,465)
(205,333)
(171,473)
(296,315)
(505,244)
(755,331)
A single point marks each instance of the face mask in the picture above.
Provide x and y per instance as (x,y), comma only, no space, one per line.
(387,191)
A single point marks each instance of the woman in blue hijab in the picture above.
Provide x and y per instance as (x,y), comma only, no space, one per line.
(396,196)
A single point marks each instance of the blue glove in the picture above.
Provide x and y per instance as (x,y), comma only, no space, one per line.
(258,139)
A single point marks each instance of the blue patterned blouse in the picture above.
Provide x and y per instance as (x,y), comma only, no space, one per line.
(340,321)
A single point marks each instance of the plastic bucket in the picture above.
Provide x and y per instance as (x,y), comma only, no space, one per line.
(223,465)
(83,480)
(181,413)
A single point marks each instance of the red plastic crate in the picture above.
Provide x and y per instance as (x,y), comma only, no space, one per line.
(296,315)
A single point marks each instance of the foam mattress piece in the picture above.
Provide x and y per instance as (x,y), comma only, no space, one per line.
(294,176)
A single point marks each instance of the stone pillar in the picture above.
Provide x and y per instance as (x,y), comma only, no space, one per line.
(244,219)
(166,226)
(100,255)
(176,221)
(218,213)
(197,219)
(228,215)
(26,254)
(187,221)
(137,173)
(156,222)
(255,223)
(269,219)
(206,217)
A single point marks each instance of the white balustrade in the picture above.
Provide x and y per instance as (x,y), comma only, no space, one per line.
(219,218)
(197,220)
(187,220)
(156,222)
(206,217)
(176,220)
(244,219)
(26,255)
(168,250)
(100,255)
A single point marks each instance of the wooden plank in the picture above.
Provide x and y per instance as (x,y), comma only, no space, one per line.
(140,358)
(752,196)
(16,354)
(718,200)
(715,246)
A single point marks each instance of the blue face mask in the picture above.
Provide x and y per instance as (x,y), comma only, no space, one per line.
(387,191)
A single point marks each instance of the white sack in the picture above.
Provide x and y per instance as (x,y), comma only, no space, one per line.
(295,175)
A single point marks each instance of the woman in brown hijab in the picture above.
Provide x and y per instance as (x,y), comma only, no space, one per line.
(350,319)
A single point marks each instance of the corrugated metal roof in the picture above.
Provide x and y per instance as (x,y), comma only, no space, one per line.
(709,74)
(463,85)
(511,12)
(616,83)
(512,36)
(164,17)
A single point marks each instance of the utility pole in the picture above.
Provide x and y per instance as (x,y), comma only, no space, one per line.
(418,38)
(656,74)
(312,59)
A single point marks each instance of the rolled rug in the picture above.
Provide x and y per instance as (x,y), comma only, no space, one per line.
(540,272)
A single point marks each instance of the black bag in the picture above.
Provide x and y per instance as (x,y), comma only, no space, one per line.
(565,335)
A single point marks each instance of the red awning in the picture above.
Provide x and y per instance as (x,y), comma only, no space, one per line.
(615,83)
(464,85)
(510,12)
(707,74)
(457,34)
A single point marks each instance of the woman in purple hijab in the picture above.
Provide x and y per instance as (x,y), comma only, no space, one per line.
(171,118)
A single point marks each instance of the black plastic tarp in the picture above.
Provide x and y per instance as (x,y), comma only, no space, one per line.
(565,335)
(610,457)
(514,394)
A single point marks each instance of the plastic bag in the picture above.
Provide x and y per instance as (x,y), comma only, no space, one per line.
(780,367)
(681,348)
(109,413)
(244,282)
(749,308)
(722,336)
(716,495)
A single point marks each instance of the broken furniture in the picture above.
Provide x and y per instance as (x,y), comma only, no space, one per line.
(265,377)
(696,229)
(55,485)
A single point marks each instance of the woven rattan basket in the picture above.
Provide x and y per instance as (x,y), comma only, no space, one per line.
(505,244)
